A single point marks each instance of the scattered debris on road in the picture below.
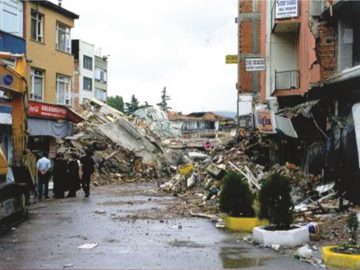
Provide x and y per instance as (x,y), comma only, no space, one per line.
(88,246)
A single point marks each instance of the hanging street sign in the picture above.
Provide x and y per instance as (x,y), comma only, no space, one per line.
(231,59)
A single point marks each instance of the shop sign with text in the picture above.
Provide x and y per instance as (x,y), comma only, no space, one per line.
(47,110)
(265,121)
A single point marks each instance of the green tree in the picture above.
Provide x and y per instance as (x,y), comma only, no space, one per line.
(145,105)
(133,105)
(236,198)
(116,102)
(275,201)
(163,105)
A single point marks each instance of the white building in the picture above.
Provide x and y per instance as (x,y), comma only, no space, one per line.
(84,82)
(11,17)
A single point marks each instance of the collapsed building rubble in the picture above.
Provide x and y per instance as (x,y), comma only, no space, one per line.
(122,152)
(198,182)
(157,122)
(192,167)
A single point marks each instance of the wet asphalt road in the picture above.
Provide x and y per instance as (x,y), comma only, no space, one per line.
(134,229)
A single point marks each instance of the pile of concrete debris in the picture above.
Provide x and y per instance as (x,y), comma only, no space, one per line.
(201,170)
(200,173)
(121,150)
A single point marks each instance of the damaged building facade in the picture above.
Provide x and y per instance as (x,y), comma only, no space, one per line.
(201,121)
(311,51)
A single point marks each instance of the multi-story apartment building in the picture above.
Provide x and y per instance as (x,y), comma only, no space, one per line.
(279,32)
(11,17)
(101,77)
(90,77)
(11,27)
(84,84)
(312,55)
(48,37)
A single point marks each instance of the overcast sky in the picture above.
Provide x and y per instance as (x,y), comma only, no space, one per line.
(180,44)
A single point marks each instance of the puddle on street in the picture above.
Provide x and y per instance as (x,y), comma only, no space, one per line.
(233,257)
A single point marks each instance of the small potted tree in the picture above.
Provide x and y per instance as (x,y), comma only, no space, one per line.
(345,255)
(276,205)
(236,200)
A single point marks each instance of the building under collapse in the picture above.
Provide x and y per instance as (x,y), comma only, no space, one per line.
(311,51)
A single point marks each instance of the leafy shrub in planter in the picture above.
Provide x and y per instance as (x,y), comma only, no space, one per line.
(275,201)
(352,225)
(236,198)
(352,247)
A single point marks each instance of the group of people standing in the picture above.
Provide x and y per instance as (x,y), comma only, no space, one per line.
(68,175)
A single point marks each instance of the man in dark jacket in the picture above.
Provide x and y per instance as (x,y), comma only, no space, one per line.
(74,177)
(88,165)
(60,175)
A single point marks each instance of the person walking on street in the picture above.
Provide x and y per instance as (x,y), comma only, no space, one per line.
(74,177)
(43,165)
(60,175)
(88,164)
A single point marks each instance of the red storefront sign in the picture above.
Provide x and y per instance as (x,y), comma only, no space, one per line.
(57,112)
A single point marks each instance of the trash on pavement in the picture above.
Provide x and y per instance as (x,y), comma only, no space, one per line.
(88,246)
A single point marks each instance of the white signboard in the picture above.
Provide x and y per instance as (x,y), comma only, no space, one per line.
(245,105)
(286,9)
(255,64)
(285,126)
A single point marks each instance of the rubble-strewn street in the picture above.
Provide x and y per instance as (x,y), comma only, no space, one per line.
(134,227)
(143,143)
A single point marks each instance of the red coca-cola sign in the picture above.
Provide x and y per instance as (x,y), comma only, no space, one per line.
(47,110)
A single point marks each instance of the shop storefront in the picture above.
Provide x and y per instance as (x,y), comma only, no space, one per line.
(46,123)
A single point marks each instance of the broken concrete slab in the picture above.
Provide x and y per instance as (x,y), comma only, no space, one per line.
(215,171)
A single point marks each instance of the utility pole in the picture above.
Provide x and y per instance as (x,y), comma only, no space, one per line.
(238,75)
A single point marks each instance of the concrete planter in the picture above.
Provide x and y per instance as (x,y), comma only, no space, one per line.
(343,261)
(290,238)
(243,224)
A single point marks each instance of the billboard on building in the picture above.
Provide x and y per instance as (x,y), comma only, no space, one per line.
(286,9)
(255,64)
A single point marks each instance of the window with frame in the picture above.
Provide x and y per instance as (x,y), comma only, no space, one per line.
(63,38)
(87,84)
(63,90)
(37,84)
(101,75)
(100,94)
(88,62)
(37,26)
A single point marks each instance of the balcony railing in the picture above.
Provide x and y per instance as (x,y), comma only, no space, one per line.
(287,80)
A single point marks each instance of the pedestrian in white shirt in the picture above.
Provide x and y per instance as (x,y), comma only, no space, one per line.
(43,165)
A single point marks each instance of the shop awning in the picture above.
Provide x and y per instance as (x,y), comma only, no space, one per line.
(52,111)
(47,127)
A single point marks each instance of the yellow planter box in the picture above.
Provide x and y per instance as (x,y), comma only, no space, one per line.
(243,224)
(344,261)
